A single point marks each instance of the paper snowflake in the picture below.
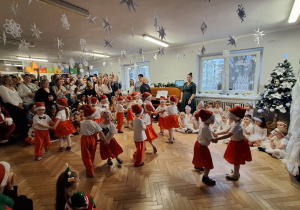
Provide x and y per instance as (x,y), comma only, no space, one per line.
(241,12)
(106,25)
(107,43)
(35,31)
(119,60)
(11,27)
(203,50)
(130,4)
(143,58)
(14,8)
(3,38)
(155,57)
(258,36)
(162,33)
(29,2)
(232,40)
(65,22)
(24,46)
(203,27)
(132,32)
(226,53)
(85,63)
(161,51)
(141,51)
(155,21)
(92,19)
(59,54)
(72,63)
(59,43)
(178,56)
(82,43)
(123,54)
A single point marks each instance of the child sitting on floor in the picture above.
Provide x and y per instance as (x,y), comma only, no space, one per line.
(249,109)
(184,126)
(247,125)
(223,126)
(280,124)
(218,111)
(195,123)
(226,110)
(188,115)
(258,133)
(200,106)
(209,106)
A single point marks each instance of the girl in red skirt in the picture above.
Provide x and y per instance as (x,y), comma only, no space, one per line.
(104,105)
(120,113)
(171,121)
(109,148)
(161,110)
(150,133)
(130,115)
(97,117)
(63,127)
(238,151)
(202,158)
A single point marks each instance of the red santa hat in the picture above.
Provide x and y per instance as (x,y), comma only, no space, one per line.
(237,112)
(206,116)
(146,95)
(149,108)
(62,102)
(94,100)
(137,109)
(88,110)
(103,98)
(128,98)
(120,99)
(163,99)
(173,98)
(134,94)
(79,201)
(39,105)
(4,173)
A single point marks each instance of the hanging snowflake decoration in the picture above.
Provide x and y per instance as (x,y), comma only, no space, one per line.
(72,63)
(85,63)
(258,36)
(106,25)
(11,27)
(132,32)
(155,21)
(107,43)
(178,56)
(14,8)
(35,31)
(119,60)
(203,50)
(203,27)
(104,63)
(29,2)
(82,43)
(123,54)
(59,43)
(241,12)
(3,38)
(92,19)
(90,53)
(155,57)
(226,53)
(141,51)
(161,51)
(162,33)
(24,46)
(59,55)
(143,58)
(232,40)
(65,22)
(130,4)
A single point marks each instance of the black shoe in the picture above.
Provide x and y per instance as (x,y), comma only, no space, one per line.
(109,162)
(119,161)
(261,149)
(208,181)
(140,165)
(198,169)
(230,177)
(68,148)
(120,132)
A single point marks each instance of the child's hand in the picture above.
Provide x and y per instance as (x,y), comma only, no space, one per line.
(215,135)
(215,141)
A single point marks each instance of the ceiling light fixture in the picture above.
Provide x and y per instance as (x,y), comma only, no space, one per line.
(67,6)
(295,12)
(11,64)
(99,55)
(156,41)
(32,59)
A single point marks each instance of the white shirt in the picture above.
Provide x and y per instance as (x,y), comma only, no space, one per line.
(146,118)
(98,89)
(131,90)
(258,133)
(250,112)
(249,127)
(10,96)
(237,130)
(61,93)
(160,108)
(278,142)
(108,130)
(89,128)
(120,108)
(223,126)
(24,90)
(139,102)
(61,115)
(105,89)
(139,128)
(172,110)
(103,106)
(195,123)
(205,135)
(129,105)
(98,113)
(37,120)
(188,117)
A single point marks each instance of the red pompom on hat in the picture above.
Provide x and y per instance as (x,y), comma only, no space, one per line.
(146,95)
(162,98)
(62,102)
(103,98)
(173,98)
(205,115)
(134,94)
(88,110)
(39,105)
(94,100)
(129,98)
(137,109)
(4,172)
(149,108)
(237,113)
(120,99)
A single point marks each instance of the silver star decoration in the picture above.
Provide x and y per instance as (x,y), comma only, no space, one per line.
(82,43)
(24,46)
(203,50)
(155,21)
(226,53)
(232,40)
(258,36)
(203,27)
(85,63)
(72,63)
(92,19)
(155,57)
(59,43)
(11,27)
(106,25)
(241,12)
(107,43)
(143,58)
(14,8)
(3,38)
(130,4)
(161,51)
(162,33)
(132,32)
(141,51)
(65,22)
(123,54)
(35,31)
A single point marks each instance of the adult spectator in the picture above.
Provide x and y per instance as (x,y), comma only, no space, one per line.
(27,91)
(116,86)
(15,82)
(131,87)
(46,95)
(106,89)
(59,90)
(100,75)
(72,94)
(78,78)
(188,94)
(138,84)
(98,87)
(94,79)
(89,89)
(53,78)
(82,85)
(145,87)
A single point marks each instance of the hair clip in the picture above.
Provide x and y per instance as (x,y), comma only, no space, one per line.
(68,173)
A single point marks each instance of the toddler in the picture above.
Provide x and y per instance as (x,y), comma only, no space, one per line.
(258,133)
(188,115)
(161,110)
(209,106)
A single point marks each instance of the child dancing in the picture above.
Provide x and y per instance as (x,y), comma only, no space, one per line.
(171,121)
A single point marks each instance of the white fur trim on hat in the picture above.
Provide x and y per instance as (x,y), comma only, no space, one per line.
(38,108)
(7,170)
(257,119)
(233,116)
(210,119)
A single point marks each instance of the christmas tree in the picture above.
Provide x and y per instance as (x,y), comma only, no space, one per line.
(277,96)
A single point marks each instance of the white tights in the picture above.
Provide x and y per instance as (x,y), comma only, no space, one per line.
(68,138)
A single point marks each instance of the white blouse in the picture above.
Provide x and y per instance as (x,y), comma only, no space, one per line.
(105,89)
(10,96)
(98,89)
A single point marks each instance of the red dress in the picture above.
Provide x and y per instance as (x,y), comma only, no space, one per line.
(111,150)
(64,128)
(161,122)
(150,133)
(238,152)
(202,157)
(171,121)
(130,115)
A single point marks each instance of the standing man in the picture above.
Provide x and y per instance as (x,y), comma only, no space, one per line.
(138,84)
(27,91)
(116,86)
(78,78)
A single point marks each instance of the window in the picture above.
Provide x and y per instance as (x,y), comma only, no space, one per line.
(239,72)
(132,71)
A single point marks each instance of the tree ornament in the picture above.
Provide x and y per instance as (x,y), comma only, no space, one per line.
(258,36)
(241,12)
(161,51)
(162,33)
(107,44)
(35,31)
(203,27)
(106,25)
(260,111)
(65,22)
(11,27)
(232,40)
(130,4)
(14,8)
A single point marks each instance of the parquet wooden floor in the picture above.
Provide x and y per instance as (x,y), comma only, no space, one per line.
(167,181)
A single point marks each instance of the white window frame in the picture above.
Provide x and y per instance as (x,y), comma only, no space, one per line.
(225,77)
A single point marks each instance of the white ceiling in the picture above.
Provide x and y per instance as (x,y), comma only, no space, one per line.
(181,18)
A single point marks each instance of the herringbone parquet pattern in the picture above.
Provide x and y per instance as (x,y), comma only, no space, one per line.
(167,181)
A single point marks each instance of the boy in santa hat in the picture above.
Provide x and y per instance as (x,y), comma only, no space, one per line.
(89,130)
(139,136)
(130,115)
(202,158)
(150,133)
(41,125)
(7,126)
(238,151)
(120,113)
(136,98)
(97,117)
(104,105)
(161,110)
(171,121)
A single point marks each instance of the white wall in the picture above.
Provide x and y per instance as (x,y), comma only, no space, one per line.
(168,68)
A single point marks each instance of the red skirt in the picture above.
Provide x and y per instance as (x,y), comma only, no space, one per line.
(97,120)
(238,152)
(202,157)
(64,128)
(171,121)
(161,122)
(130,115)
(150,133)
(111,150)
